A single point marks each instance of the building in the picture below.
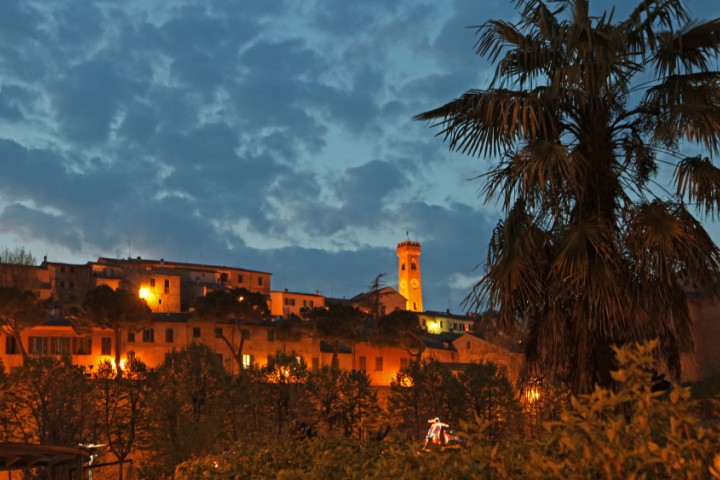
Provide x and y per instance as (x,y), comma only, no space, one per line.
(409,279)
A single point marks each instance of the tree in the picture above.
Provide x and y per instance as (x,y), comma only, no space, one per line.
(491,398)
(401,329)
(185,416)
(424,390)
(237,307)
(593,251)
(119,309)
(17,268)
(51,403)
(337,323)
(283,380)
(19,309)
(121,406)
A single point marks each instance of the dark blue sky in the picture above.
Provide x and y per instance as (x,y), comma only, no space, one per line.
(271,135)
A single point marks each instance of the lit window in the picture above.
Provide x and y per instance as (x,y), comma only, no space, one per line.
(247,360)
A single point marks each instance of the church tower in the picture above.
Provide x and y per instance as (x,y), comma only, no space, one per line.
(409,281)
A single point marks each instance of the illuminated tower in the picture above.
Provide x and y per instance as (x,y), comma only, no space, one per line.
(408,253)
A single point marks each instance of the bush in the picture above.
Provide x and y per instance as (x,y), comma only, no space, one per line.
(631,433)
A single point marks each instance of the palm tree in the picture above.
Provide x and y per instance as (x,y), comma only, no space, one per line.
(593,250)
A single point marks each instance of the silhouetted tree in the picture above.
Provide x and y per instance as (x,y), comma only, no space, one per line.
(121,406)
(422,391)
(581,111)
(337,324)
(184,410)
(401,329)
(119,309)
(237,307)
(491,397)
(19,309)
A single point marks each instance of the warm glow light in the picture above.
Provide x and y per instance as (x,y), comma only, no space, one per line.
(145,293)
(433,326)
(406,382)
(532,394)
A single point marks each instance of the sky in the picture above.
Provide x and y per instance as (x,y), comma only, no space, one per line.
(270,135)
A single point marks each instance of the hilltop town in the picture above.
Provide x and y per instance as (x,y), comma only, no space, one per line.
(171,290)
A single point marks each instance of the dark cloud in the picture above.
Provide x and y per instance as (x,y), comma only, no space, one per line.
(215,131)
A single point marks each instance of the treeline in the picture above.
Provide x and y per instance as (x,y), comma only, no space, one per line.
(190,406)
(634,432)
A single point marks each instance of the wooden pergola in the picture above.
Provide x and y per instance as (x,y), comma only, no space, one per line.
(57,462)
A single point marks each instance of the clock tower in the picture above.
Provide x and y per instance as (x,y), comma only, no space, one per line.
(410,287)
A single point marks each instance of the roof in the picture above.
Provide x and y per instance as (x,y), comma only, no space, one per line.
(440,341)
(166,263)
(430,313)
(16,456)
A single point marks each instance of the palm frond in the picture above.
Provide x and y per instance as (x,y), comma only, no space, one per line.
(698,180)
(692,48)
(489,122)
(685,106)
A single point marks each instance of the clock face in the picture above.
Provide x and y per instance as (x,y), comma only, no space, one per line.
(403,284)
(414,283)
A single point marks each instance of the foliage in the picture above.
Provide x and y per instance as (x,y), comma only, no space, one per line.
(632,433)
(422,391)
(119,309)
(19,309)
(16,268)
(184,412)
(236,307)
(283,388)
(400,328)
(49,402)
(344,401)
(581,111)
(121,405)
(337,323)
(490,398)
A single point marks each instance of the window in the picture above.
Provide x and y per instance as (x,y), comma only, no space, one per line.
(106,346)
(81,346)
(271,335)
(404,362)
(35,345)
(240,278)
(167,286)
(218,332)
(260,281)
(247,360)
(72,284)
(130,356)
(62,283)
(378,364)
(362,363)
(413,266)
(62,269)
(245,333)
(11,347)
(468,344)
(402,267)
(148,335)
(131,337)
(169,335)
(290,301)
(152,283)
(315,363)
(196,332)
(223,278)
(312,304)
